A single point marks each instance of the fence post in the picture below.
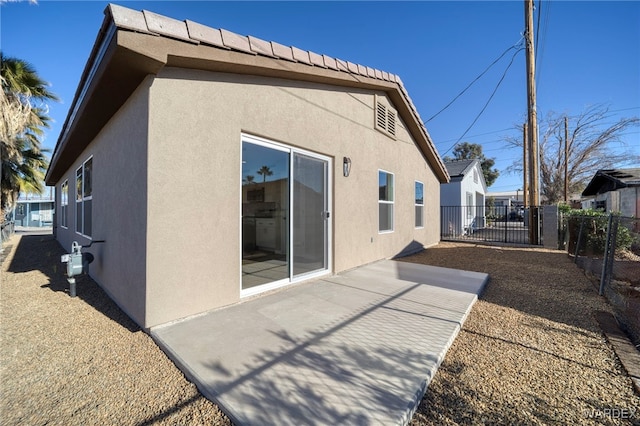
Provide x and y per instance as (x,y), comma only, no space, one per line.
(575,256)
(506,222)
(609,252)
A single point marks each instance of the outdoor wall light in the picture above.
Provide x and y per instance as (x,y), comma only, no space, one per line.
(346,166)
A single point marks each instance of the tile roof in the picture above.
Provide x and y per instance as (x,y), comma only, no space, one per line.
(193,33)
(153,23)
(197,33)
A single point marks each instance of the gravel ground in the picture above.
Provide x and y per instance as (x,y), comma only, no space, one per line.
(530,352)
(81,361)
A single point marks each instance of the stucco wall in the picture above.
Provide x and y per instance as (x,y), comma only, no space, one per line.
(196,121)
(119,205)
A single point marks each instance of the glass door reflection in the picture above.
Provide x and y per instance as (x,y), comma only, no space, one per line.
(265,214)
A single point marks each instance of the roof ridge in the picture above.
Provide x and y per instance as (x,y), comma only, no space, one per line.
(120,18)
(193,32)
(187,30)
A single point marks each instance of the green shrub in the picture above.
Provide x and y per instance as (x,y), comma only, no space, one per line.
(595,230)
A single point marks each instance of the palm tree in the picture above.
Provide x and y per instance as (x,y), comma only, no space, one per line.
(265,171)
(249,179)
(23,117)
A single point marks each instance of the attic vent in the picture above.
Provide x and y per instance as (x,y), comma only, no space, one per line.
(385,119)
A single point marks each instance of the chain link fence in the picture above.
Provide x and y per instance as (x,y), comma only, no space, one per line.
(607,247)
(7,229)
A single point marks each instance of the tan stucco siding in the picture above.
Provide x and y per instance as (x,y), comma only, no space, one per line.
(194,207)
(196,121)
(118,206)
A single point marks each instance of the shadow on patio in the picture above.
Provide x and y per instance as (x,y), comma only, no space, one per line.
(356,348)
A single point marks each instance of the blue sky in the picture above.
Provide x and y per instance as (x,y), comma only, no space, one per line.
(588,53)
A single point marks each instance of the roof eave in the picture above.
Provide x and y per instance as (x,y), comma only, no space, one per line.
(111,75)
(125,53)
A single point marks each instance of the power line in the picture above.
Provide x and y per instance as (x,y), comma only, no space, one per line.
(516,128)
(538,26)
(504,74)
(480,134)
(517,45)
(624,109)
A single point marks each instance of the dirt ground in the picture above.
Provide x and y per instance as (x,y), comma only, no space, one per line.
(530,352)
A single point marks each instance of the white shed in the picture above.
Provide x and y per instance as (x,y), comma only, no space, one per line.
(462,200)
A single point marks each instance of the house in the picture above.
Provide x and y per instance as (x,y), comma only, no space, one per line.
(506,199)
(217,166)
(33,212)
(616,190)
(463,198)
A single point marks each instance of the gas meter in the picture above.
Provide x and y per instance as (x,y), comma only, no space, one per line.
(77,264)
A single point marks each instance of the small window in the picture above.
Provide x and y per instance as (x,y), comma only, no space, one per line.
(64,202)
(79,181)
(469,205)
(475,176)
(84,198)
(385,201)
(385,117)
(419,204)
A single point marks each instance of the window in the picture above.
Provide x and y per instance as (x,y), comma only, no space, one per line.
(419,204)
(385,201)
(469,205)
(84,198)
(475,176)
(64,202)
(385,117)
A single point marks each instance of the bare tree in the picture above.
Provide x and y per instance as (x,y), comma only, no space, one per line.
(591,148)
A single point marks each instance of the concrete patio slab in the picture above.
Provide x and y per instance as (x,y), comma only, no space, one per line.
(356,348)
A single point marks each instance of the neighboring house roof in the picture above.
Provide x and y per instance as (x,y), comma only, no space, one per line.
(459,168)
(133,44)
(606,180)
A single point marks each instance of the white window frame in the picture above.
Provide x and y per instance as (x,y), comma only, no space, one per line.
(291,279)
(80,172)
(64,204)
(392,202)
(417,204)
(470,206)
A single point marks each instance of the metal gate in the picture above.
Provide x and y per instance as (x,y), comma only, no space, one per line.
(502,224)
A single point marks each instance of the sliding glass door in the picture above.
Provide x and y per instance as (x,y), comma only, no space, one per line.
(310,214)
(265,214)
(285,214)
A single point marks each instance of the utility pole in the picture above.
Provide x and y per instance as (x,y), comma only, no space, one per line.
(525,167)
(532,120)
(566,159)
